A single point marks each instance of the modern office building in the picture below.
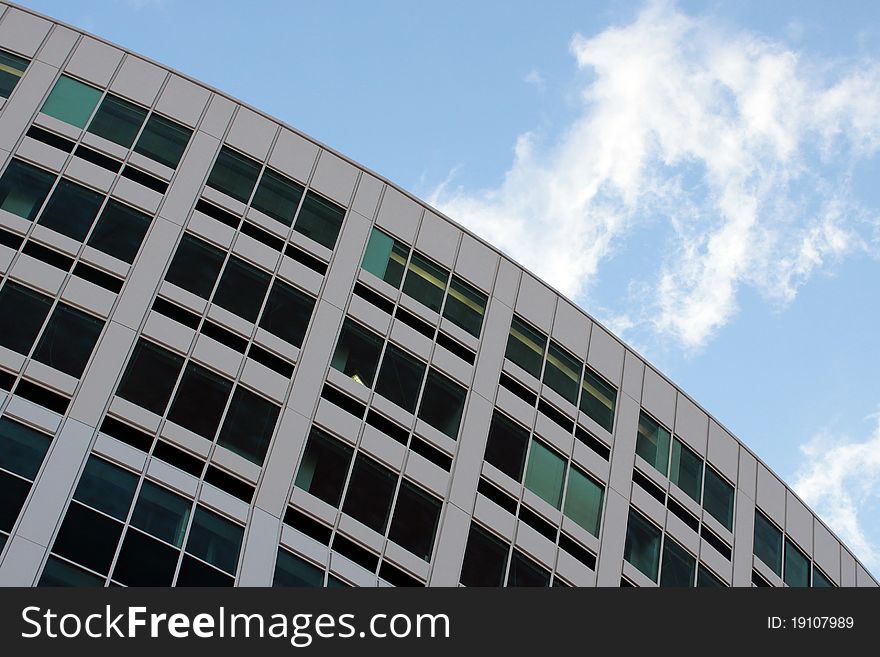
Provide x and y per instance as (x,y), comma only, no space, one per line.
(230,355)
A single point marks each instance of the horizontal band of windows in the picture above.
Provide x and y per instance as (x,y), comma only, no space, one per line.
(42,396)
(98,159)
(127,434)
(50,139)
(308,525)
(496,495)
(230,484)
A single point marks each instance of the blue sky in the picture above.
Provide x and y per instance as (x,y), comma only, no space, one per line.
(700,176)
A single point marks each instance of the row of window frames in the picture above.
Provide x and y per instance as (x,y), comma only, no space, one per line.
(158,528)
(117,120)
(799,570)
(199,400)
(676,567)
(562,372)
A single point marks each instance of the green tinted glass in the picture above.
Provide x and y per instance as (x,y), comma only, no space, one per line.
(583,500)
(768,543)
(71,101)
(11,70)
(686,470)
(425,282)
(652,443)
(385,258)
(545,474)
(526,346)
(465,306)
(118,121)
(598,400)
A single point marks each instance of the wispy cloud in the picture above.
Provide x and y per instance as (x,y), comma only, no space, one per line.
(740,148)
(534,77)
(840,480)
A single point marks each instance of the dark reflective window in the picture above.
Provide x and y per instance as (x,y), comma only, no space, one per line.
(163,140)
(200,399)
(150,376)
(562,372)
(545,474)
(425,282)
(652,443)
(768,543)
(642,547)
(88,538)
(106,487)
(525,572)
(686,470)
(291,571)
(465,306)
(718,498)
(22,313)
(161,513)
(707,579)
(195,266)
(118,120)
(68,340)
(287,313)
(71,101)
(120,231)
(22,449)
(369,493)
(400,378)
(797,566)
(195,573)
(385,258)
(13,492)
(242,289)
(324,467)
(144,561)
(678,565)
(526,346)
(485,559)
(414,525)
(319,219)
(11,69)
(598,400)
(234,174)
(71,210)
(442,403)
(357,353)
(248,426)
(277,196)
(214,539)
(821,580)
(507,445)
(583,500)
(60,573)
(23,188)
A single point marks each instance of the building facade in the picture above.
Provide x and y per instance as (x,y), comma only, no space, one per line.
(231,356)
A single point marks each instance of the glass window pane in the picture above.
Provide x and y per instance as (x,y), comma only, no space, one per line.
(13,492)
(277,196)
(144,561)
(465,306)
(242,289)
(525,572)
(820,580)
(562,372)
(526,346)
(485,559)
(442,403)
(287,313)
(71,101)
(414,525)
(324,467)
(425,282)
(195,266)
(150,376)
(686,470)
(215,540)
(23,188)
(60,573)
(598,400)
(22,313)
(200,400)
(68,340)
(678,565)
(368,498)
(22,449)
(545,473)
(195,573)
(71,210)
(797,566)
(161,513)
(292,571)
(385,258)
(583,500)
(106,487)
(706,579)
(319,219)
(118,120)
(718,498)
(88,538)
(234,174)
(163,140)
(357,353)
(249,425)
(768,543)
(642,547)
(507,445)
(120,231)
(652,443)
(11,70)
(400,378)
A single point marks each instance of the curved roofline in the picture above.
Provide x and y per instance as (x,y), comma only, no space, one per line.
(458,226)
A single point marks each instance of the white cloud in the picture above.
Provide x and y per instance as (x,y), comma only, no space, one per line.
(840,481)
(534,77)
(738,147)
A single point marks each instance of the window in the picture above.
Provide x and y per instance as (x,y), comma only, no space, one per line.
(200,400)
(526,347)
(707,579)
(88,538)
(11,69)
(598,400)
(150,376)
(357,353)
(22,449)
(642,546)
(71,210)
(195,266)
(319,219)
(106,487)
(242,289)
(120,231)
(234,174)
(292,571)
(507,445)
(145,561)
(287,313)
(686,470)
(562,372)
(485,559)
(652,443)
(68,340)
(678,565)
(442,403)
(525,572)
(583,500)
(163,140)
(161,513)
(324,467)
(249,425)
(368,498)
(215,540)
(414,525)
(385,258)
(797,566)
(22,313)
(718,498)
(768,542)
(61,573)
(465,306)
(821,580)
(400,378)
(118,120)
(23,188)
(425,282)
(71,101)
(277,197)
(545,474)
